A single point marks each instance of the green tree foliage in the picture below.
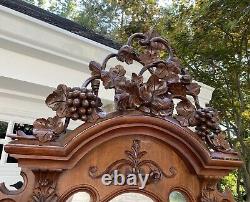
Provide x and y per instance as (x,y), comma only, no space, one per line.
(100,15)
(64,8)
(3,128)
(212,39)
(135,16)
(118,18)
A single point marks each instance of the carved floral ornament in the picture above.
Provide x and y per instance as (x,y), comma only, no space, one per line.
(135,164)
(155,96)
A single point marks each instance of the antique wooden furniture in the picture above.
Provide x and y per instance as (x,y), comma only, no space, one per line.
(148,133)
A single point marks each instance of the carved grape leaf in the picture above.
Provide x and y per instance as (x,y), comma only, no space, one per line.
(161,70)
(114,76)
(127,54)
(47,129)
(156,86)
(93,116)
(220,141)
(185,110)
(182,120)
(172,78)
(57,100)
(152,94)
(162,106)
(138,80)
(145,94)
(166,72)
(149,56)
(177,89)
(122,101)
(127,93)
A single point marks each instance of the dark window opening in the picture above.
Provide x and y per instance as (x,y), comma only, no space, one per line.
(26,128)
(11,159)
(3,129)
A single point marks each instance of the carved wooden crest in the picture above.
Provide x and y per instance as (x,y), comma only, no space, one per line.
(158,109)
(153,96)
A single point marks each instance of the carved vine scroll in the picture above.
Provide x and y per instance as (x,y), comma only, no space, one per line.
(135,164)
(169,88)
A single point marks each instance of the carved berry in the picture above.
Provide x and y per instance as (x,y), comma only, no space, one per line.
(76,102)
(82,111)
(85,103)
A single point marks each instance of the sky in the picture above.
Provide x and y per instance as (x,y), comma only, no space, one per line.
(165,2)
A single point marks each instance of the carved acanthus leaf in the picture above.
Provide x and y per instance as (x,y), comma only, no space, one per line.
(45,186)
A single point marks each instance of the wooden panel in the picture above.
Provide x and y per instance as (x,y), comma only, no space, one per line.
(105,154)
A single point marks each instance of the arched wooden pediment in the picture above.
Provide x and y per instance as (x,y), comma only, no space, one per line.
(144,139)
(67,153)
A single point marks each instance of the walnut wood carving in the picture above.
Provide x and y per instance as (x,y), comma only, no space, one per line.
(153,114)
(134,164)
(45,186)
(154,97)
(210,193)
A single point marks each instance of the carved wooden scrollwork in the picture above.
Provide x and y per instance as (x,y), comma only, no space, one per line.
(153,96)
(45,186)
(135,164)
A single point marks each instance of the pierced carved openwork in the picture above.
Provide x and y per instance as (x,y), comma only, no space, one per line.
(153,96)
(154,109)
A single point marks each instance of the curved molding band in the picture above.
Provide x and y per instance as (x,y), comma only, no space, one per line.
(65,154)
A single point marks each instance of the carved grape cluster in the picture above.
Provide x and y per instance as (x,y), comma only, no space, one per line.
(81,102)
(74,103)
(168,82)
(207,122)
(70,103)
